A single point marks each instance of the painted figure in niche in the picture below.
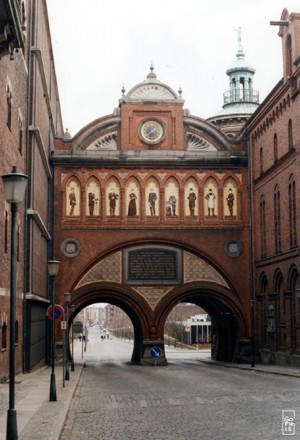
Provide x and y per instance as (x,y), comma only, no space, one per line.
(92,202)
(132,204)
(171,206)
(112,197)
(72,200)
(210,197)
(192,202)
(152,200)
(230,201)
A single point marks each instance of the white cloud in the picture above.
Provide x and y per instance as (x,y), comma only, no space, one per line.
(99,45)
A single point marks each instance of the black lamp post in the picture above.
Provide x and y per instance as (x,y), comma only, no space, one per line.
(14,187)
(67,302)
(72,359)
(53,266)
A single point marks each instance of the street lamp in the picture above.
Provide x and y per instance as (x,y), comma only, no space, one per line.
(72,359)
(67,302)
(14,188)
(53,266)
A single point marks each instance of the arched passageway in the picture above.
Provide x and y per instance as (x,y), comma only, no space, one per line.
(148,304)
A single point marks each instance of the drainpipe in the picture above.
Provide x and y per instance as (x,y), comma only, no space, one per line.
(251,277)
(26,258)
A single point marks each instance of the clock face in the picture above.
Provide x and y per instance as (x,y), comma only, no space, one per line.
(152,131)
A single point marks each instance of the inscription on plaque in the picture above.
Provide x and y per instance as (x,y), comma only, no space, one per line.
(152,265)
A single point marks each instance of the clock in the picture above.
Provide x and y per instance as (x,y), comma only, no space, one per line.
(152,131)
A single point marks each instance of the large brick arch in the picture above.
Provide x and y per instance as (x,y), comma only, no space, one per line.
(203,283)
(132,304)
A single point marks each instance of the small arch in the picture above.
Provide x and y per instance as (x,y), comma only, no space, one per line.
(93,197)
(132,197)
(113,197)
(152,197)
(230,198)
(191,198)
(172,201)
(210,198)
(73,195)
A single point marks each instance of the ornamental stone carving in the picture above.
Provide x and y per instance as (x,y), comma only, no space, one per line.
(105,142)
(197,143)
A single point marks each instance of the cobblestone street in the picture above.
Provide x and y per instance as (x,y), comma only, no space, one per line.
(188,400)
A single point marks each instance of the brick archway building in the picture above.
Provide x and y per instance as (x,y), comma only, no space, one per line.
(104,180)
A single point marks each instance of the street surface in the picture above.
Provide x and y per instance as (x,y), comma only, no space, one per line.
(188,400)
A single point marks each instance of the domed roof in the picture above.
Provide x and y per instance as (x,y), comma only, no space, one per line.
(151,90)
(240,64)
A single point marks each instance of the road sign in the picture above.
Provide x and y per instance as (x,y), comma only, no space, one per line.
(155,352)
(58,312)
(63,325)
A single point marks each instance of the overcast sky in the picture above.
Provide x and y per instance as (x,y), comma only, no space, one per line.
(99,45)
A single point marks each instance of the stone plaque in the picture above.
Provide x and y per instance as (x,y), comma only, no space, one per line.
(152,265)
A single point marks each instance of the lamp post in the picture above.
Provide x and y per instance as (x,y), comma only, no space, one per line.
(72,359)
(53,266)
(14,188)
(67,302)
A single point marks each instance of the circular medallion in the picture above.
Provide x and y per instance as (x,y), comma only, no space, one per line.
(233,248)
(70,247)
(152,131)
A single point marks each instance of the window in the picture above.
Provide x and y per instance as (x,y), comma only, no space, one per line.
(277,231)
(20,122)
(6,233)
(275,146)
(263,239)
(16,332)
(290,134)
(4,337)
(289,71)
(261,159)
(9,107)
(292,212)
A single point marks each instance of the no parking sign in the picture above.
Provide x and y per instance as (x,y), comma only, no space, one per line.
(58,312)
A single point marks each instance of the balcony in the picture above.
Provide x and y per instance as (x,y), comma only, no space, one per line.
(235,96)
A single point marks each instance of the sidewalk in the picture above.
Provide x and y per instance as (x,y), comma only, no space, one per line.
(261,368)
(37,418)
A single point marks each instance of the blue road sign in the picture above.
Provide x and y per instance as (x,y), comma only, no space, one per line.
(155,352)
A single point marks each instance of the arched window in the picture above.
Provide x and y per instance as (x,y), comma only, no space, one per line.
(277,228)
(292,212)
(8,107)
(275,147)
(16,332)
(4,337)
(290,134)
(261,160)
(6,232)
(289,70)
(263,229)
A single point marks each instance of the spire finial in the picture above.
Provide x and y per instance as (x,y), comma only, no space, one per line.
(151,75)
(239,38)
(180,91)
